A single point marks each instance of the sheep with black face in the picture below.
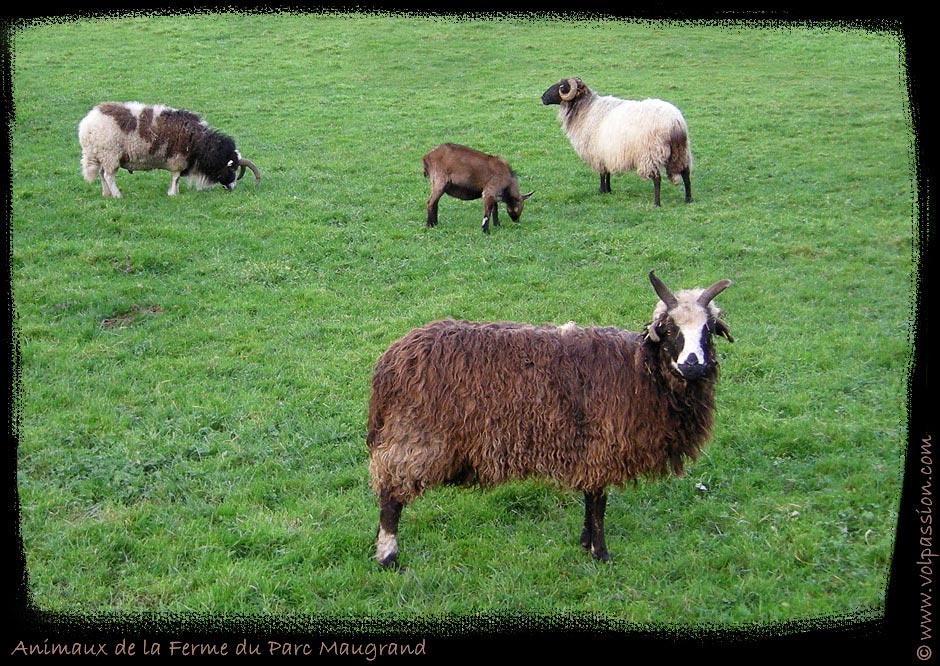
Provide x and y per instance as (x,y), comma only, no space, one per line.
(457,402)
(137,137)
(613,135)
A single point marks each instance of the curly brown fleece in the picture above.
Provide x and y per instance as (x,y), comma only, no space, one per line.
(480,403)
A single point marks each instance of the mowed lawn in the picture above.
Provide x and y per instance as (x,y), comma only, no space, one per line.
(194,370)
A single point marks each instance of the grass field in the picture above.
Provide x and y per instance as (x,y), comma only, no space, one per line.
(195,370)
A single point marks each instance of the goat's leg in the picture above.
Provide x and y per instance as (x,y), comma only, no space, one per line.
(656,181)
(605,182)
(687,181)
(489,211)
(436,193)
(386,540)
(592,536)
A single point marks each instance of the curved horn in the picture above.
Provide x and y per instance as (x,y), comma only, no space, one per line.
(572,90)
(242,162)
(706,297)
(663,292)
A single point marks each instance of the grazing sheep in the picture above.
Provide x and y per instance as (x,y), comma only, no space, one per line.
(456,402)
(136,137)
(468,174)
(613,135)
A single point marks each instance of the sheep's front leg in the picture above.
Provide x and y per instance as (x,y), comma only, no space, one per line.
(386,540)
(687,181)
(174,184)
(592,536)
(656,181)
(489,212)
(605,182)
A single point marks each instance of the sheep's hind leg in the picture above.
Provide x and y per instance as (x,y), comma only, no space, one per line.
(109,188)
(687,181)
(386,540)
(656,181)
(592,536)
(605,182)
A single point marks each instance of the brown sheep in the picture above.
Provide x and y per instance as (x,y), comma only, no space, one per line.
(456,402)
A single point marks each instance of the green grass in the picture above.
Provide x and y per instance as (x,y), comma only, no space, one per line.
(195,370)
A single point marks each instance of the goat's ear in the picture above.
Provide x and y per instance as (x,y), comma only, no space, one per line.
(721,328)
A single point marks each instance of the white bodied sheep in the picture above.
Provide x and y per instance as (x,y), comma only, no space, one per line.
(613,135)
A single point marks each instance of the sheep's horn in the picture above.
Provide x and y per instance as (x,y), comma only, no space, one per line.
(572,90)
(706,297)
(663,292)
(242,162)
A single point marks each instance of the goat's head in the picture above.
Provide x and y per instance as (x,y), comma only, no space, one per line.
(565,90)
(683,324)
(514,205)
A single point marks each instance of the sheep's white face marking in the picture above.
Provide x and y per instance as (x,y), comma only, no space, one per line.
(691,321)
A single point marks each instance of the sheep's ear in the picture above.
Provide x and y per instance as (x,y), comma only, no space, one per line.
(721,328)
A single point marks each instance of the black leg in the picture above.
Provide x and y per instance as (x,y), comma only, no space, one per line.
(656,179)
(386,540)
(592,536)
(588,522)
(605,183)
(687,181)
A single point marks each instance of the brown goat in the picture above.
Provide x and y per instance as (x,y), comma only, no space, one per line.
(457,402)
(468,174)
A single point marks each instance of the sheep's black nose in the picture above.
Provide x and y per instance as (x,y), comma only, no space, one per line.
(692,369)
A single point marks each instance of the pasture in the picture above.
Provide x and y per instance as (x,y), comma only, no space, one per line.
(195,369)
